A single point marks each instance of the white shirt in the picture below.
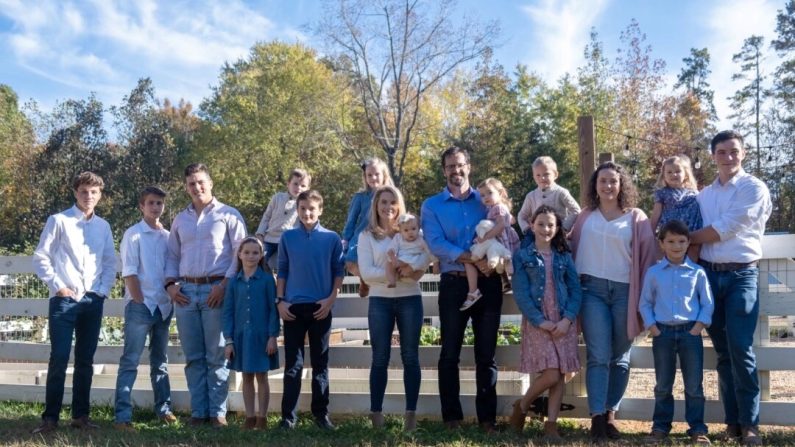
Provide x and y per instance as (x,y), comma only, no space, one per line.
(143,254)
(605,249)
(372,268)
(76,253)
(738,212)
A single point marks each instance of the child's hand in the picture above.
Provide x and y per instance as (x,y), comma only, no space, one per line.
(229,352)
(479,240)
(271,347)
(654,330)
(561,328)
(325,308)
(284,311)
(547,326)
(697,328)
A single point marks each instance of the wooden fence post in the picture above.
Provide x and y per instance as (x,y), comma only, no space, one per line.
(587,146)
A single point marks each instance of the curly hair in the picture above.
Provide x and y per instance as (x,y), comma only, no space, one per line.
(627,193)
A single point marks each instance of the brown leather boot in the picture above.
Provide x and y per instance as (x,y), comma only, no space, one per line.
(612,426)
(551,435)
(517,417)
(262,423)
(250,423)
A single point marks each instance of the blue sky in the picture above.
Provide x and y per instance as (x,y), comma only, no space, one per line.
(53,50)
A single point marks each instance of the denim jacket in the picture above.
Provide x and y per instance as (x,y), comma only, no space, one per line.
(529,280)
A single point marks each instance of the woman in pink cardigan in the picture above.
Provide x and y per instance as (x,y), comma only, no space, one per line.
(613,245)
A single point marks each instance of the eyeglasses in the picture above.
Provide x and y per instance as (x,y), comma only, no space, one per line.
(455,166)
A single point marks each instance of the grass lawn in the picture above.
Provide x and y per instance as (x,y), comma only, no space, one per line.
(17,419)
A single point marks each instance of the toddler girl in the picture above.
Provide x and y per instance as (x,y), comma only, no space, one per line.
(375,173)
(675,198)
(281,215)
(495,197)
(251,325)
(547,290)
(407,248)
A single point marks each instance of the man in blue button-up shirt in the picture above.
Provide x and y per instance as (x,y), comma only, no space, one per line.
(448,222)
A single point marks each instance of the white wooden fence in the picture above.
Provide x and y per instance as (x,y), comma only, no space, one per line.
(777,295)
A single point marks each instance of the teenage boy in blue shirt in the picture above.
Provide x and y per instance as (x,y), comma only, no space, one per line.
(310,275)
(676,305)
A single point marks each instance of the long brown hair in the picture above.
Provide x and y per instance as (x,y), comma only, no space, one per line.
(559,239)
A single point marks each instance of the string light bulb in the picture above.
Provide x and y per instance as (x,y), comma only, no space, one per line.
(626,147)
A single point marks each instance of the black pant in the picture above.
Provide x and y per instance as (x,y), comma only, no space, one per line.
(294,333)
(485,315)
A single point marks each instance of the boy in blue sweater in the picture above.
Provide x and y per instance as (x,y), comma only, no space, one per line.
(310,274)
(676,305)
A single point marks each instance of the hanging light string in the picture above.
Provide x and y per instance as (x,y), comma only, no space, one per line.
(680,146)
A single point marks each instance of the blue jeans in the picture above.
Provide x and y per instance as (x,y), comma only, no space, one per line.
(675,340)
(200,333)
(272,255)
(604,326)
(382,315)
(732,332)
(485,315)
(138,323)
(81,319)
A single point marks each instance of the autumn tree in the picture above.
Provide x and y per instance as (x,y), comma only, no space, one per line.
(398,50)
(693,78)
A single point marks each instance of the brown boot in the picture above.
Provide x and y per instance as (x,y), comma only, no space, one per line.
(410,421)
(262,423)
(250,423)
(517,417)
(612,426)
(551,435)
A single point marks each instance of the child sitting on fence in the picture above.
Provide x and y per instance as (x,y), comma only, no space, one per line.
(280,215)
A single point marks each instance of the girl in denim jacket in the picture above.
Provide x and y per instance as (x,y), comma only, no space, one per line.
(547,290)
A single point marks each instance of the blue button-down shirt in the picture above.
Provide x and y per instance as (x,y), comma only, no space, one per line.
(449,225)
(676,294)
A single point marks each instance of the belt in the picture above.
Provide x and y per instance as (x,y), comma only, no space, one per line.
(202,279)
(727,266)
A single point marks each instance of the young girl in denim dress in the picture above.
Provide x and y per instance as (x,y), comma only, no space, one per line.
(675,198)
(251,325)
(547,290)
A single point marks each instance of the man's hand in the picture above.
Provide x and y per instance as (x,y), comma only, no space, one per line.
(697,328)
(654,330)
(177,297)
(325,308)
(284,311)
(65,292)
(483,266)
(216,296)
(271,348)
(465,257)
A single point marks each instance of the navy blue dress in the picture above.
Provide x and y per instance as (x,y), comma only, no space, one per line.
(250,318)
(679,204)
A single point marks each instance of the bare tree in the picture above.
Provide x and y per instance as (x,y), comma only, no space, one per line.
(396,50)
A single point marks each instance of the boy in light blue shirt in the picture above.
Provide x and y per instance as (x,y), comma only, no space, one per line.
(676,305)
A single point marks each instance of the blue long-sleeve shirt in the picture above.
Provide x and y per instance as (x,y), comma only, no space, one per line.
(309,261)
(449,225)
(676,294)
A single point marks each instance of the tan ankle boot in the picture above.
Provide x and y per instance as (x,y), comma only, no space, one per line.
(551,434)
(262,423)
(517,416)
(377,418)
(250,423)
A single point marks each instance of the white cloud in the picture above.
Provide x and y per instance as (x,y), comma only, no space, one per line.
(729,23)
(560,32)
(106,45)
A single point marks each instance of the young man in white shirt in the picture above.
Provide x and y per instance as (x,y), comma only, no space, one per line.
(735,208)
(147,309)
(75,258)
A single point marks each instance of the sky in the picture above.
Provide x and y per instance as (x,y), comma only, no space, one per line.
(53,50)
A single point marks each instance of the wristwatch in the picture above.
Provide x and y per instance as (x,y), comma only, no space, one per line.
(169,284)
(278,300)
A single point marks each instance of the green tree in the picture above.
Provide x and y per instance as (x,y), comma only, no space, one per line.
(747,102)
(397,50)
(278,109)
(693,78)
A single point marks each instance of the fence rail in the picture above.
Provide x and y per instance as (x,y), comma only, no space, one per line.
(777,298)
